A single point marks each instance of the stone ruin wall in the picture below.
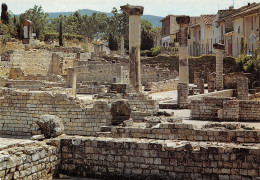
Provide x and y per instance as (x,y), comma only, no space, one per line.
(184,132)
(107,72)
(219,108)
(166,85)
(157,159)
(19,111)
(102,72)
(31,160)
(35,61)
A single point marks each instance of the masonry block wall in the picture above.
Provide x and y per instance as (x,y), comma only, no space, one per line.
(218,108)
(203,65)
(157,159)
(29,161)
(20,109)
(36,61)
(103,72)
(180,131)
(107,72)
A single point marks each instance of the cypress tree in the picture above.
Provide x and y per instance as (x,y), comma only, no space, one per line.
(61,34)
(4,14)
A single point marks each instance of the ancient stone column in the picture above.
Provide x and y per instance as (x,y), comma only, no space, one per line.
(78,56)
(211,86)
(196,76)
(122,45)
(183,92)
(57,63)
(242,88)
(219,65)
(72,80)
(183,21)
(211,82)
(134,13)
(120,78)
(183,86)
(200,85)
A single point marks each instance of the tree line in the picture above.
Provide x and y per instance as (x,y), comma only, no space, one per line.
(75,26)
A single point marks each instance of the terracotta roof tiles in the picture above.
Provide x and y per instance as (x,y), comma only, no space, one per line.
(208,19)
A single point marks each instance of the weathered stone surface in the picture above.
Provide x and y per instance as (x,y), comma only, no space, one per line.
(120,111)
(38,137)
(51,126)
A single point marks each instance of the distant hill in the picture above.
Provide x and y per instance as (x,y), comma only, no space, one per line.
(155,20)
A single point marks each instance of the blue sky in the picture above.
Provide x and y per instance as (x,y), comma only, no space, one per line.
(151,7)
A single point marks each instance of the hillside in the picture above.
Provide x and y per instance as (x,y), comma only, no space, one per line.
(155,20)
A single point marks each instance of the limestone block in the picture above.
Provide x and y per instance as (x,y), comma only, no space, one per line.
(51,126)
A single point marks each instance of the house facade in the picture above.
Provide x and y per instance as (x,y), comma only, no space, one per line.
(246,24)
(200,33)
(170,28)
(226,27)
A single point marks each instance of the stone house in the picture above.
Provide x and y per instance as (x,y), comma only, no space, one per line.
(26,30)
(222,28)
(246,23)
(170,30)
(242,22)
(194,37)
(200,32)
(157,37)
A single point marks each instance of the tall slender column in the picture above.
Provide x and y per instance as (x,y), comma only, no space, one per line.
(72,80)
(134,13)
(183,86)
(122,45)
(183,21)
(219,65)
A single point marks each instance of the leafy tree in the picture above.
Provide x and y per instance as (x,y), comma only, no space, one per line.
(39,19)
(146,25)
(146,40)
(5,33)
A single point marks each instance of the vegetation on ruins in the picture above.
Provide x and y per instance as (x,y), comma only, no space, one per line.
(249,63)
(39,19)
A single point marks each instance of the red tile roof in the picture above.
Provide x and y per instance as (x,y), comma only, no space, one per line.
(208,19)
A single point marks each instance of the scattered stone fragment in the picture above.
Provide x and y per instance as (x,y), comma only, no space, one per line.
(120,111)
(38,137)
(51,126)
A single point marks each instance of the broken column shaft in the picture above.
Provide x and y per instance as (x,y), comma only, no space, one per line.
(122,45)
(219,65)
(134,13)
(183,21)
(72,80)
(183,86)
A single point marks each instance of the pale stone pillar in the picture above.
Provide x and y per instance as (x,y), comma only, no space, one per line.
(200,85)
(57,63)
(78,56)
(134,13)
(72,80)
(183,21)
(183,86)
(219,65)
(211,86)
(183,92)
(122,45)
(242,88)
